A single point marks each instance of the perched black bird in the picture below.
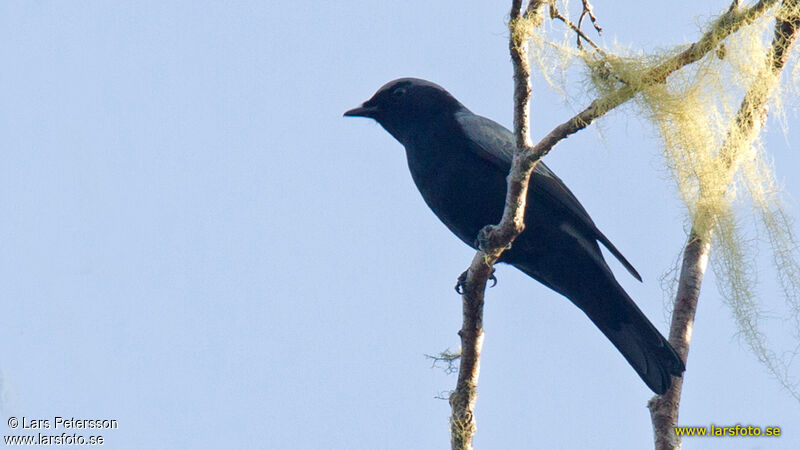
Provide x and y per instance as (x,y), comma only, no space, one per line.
(459,162)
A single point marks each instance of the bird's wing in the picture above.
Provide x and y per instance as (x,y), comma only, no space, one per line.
(496,144)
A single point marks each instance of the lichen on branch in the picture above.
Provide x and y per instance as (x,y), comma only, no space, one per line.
(707,102)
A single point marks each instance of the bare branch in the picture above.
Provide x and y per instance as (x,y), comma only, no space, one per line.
(533,7)
(556,14)
(464,397)
(516,8)
(664,408)
(588,10)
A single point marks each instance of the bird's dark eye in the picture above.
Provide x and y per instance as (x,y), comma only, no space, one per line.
(399,92)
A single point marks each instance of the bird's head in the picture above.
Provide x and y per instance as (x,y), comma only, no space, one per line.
(408,105)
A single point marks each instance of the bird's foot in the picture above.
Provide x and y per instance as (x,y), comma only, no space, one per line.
(493,278)
(482,241)
(462,280)
(487,239)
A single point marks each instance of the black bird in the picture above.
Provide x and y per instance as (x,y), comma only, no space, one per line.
(459,162)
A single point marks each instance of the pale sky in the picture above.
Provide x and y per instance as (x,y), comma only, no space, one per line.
(195,243)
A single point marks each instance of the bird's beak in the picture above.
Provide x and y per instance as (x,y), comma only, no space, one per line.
(362,111)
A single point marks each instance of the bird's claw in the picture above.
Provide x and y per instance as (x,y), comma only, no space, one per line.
(462,280)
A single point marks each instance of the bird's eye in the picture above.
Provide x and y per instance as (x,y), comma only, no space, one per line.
(399,92)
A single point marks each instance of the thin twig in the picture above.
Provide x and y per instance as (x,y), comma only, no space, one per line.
(556,14)
(588,10)
(446,360)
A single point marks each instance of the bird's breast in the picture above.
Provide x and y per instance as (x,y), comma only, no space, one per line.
(464,191)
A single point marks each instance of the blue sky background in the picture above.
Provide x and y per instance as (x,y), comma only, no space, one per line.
(194,241)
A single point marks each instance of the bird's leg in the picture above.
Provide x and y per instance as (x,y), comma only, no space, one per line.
(462,280)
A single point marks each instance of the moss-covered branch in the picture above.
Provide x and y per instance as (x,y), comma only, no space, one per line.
(744,128)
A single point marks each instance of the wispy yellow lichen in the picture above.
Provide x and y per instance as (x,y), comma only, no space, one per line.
(708,115)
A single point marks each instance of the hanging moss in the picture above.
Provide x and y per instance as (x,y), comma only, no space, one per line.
(707,115)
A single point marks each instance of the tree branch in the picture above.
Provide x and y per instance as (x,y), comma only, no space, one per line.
(664,408)
(589,10)
(746,125)
(556,14)
(463,399)
(495,239)
(500,237)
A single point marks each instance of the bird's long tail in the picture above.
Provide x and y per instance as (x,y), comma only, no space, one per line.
(645,349)
(618,317)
